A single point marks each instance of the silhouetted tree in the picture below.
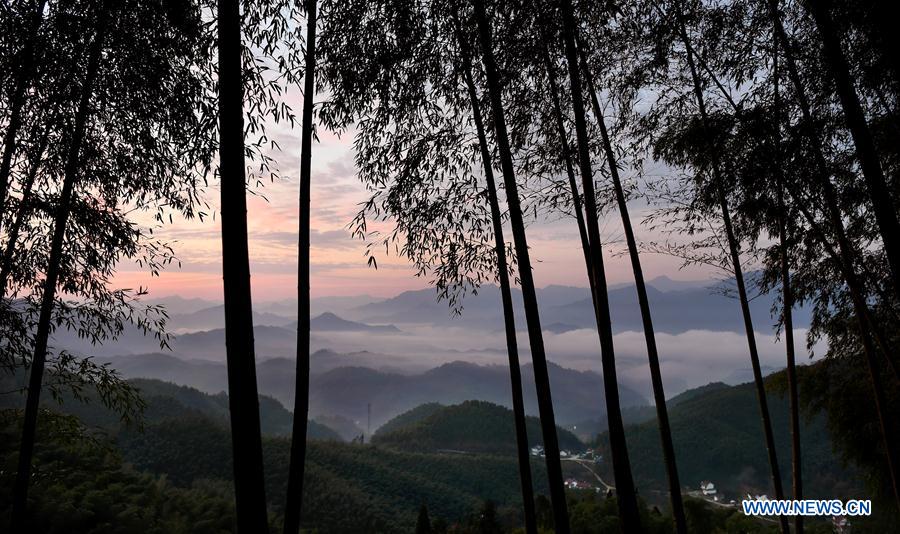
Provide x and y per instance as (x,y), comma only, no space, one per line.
(24,72)
(296,469)
(243,399)
(25,205)
(884,208)
(509,321)
(847,254)
(23,472)
(418,158)
(734,252)
(570,171)
(659,396)
(627,498)
(787,304)
(423,522)
(532,316)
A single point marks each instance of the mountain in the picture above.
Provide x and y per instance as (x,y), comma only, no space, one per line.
(339,304)
(329,322)
(560,328)
(287,308)
(347,429)
(664,283)
(270,342)
(177,470)
(176,305)
(214,317)
(469,427)
(416,307)
(577,395)
(745,374)
(588,429)
(410,417)
(130,341)
(710,388)
(183,455)
(681,307)
(557,295)
(718,436)
(207,376)
(425,324)
(348,391)
(674,312)
(164,401)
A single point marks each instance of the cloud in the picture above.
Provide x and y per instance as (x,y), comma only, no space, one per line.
(323,239)
(337,170)
(336,194)
(688,360)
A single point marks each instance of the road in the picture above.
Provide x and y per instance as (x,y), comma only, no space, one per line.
(587,465)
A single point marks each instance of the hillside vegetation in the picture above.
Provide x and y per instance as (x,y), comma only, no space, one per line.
(409,418)
(166,401)
(718,437)
(173,474)
(471,427)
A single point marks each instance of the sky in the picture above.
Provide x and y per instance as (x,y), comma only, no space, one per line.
(338,263)
(339,268)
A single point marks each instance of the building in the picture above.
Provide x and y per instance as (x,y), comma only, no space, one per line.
(573,483)
(708,488)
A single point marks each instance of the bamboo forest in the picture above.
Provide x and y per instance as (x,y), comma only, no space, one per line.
(449,266)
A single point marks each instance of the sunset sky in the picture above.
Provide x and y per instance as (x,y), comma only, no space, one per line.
(338,261)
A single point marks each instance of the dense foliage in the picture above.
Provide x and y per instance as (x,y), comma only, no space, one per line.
(470,427)
(173,476)
(184,440)
(736,459)
(717,439)
(774,124)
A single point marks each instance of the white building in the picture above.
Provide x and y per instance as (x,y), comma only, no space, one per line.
(708,488)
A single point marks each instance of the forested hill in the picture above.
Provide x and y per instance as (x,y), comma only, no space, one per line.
(165,401)
(718,437)
(410,417)
(350,390)
(470,427)
(177,471)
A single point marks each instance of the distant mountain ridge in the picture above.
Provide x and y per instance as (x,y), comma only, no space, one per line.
(209,344)
(681,308)
(347,391)
(165,400)
(563,309)
(214,317)
(178,305)
(329,322)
